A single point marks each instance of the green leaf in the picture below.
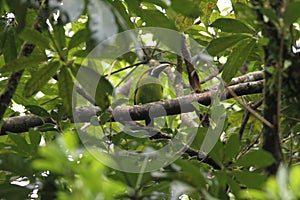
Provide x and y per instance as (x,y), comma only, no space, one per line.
(19,8)
(134,6)
(246,13)
(257,158)
(190,173)
(292,13)
(53,159)
(271,14)
(129,57)
(12,191)
(222,178)
(104,117)
(35,84)
(216,121)
(97,30)
(154,18)
(232,26)
(96,86)
(59,36)
(35,137)
(294,180)
(119,6)
(9,45)
(15,163)
(234,186)
(219,45)
(48,127)
(71,140)
(237,58)
(22,63)
(21,144)
(65,85)
(183,23)
(37,110)
(161,186)
(254,194)
(35,37)
(78,38)
(250,179)
(56,115)
(198,140)
(160,3)
(232,147)
(190,9)
(217,153)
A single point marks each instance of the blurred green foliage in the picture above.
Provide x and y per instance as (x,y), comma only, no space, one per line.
(50,161)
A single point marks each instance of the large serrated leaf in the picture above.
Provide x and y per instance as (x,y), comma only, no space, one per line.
(232,26)
(34,37)
(22,63)
(237,58)
(65,85)
(219,45)
(34,84)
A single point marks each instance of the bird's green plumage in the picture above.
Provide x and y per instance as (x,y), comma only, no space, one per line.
(149,88)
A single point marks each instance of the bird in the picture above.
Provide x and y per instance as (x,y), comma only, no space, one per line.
(149,89)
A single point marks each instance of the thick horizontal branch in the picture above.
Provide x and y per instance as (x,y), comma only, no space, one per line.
(21,124)
(138,112)
(183,104)
(254,76)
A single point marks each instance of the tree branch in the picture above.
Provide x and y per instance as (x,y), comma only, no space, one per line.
(182,104)
(192,74)
(137,112)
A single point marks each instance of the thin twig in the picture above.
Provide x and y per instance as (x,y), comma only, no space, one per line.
(253,112)
(247,148)
(246,116)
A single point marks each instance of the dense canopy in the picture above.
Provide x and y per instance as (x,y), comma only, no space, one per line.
(215,80)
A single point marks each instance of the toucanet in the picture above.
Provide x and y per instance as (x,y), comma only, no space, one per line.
(149,88)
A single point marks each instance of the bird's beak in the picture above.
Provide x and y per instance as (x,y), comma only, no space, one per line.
(157,70)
